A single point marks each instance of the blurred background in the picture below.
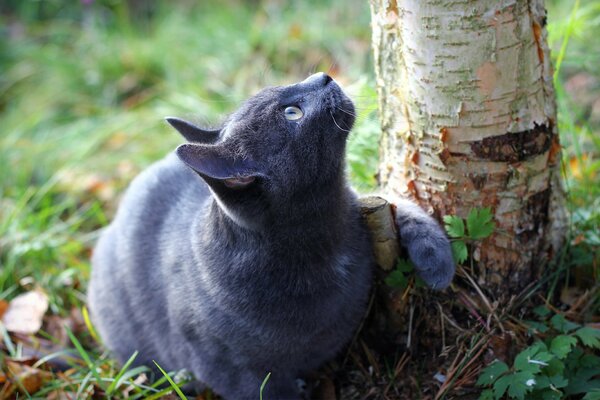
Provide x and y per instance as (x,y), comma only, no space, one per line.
(84,87)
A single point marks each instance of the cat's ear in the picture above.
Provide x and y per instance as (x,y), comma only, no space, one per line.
(192,132)
(216,164)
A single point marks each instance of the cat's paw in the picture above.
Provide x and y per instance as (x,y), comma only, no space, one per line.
(431,255)
(427,245)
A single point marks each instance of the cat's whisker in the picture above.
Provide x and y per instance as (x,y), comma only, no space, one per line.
(365,109)
(347,112)
(336,124)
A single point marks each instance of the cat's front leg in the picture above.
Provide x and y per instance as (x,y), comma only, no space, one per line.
(427,245)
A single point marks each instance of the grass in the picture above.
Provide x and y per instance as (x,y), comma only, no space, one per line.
(83,91)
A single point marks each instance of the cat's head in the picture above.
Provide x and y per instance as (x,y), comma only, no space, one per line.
(283,146)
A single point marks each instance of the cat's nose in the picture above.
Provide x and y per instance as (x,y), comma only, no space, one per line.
(318,79)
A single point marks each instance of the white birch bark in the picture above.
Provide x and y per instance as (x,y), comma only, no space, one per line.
(469,120)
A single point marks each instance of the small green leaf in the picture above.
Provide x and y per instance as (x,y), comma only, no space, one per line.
(459,251)
(541,382)
(536,327)
(593,395)
(454,226)
(561,345)
(420,283)
(562,325)
(582,380)
(405,265)
(491,373)
(501,385)
(521,383)
(550,394)
(589,336)
(586,361)
(396,279)
(555,367)
(559,381)
(533,358)
(479,223)
(541,311)
(487,394)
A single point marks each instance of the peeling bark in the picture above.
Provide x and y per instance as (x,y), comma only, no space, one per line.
(468,116)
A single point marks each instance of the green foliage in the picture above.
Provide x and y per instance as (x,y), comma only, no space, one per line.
(554,368)
(589,336)
(491,373)
(593,395)
(400,277)
(479,225)
(455,226)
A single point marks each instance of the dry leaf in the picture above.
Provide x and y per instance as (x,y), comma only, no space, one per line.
(61,395)
(28,379)
(3,307)
(25,312)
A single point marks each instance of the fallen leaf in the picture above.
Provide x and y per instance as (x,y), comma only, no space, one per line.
(61,395)
(28,379)
(3,307)
(25,312)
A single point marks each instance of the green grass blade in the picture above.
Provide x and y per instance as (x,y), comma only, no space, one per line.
(263,384)
(83,384)
(85,356)
(57,354)
(89,325)
(160,394)
(10,347)
(565,42)
(173,385)
(117,380)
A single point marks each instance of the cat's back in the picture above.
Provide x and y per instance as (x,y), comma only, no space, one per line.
(161,197)
(128,264)
(163,186)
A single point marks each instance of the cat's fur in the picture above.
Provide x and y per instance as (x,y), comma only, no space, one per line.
(249,256)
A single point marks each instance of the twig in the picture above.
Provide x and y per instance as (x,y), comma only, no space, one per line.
(483,297)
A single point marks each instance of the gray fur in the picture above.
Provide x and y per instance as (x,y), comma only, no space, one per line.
(252,258)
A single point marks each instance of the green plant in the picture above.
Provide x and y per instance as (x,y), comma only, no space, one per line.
(555,367)
(401,276)
(479,225)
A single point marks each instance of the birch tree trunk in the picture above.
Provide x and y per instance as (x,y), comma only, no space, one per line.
(469,120)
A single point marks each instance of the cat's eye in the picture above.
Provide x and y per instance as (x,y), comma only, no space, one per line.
(292,113)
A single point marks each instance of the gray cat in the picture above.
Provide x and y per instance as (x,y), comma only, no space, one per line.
(244,252)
